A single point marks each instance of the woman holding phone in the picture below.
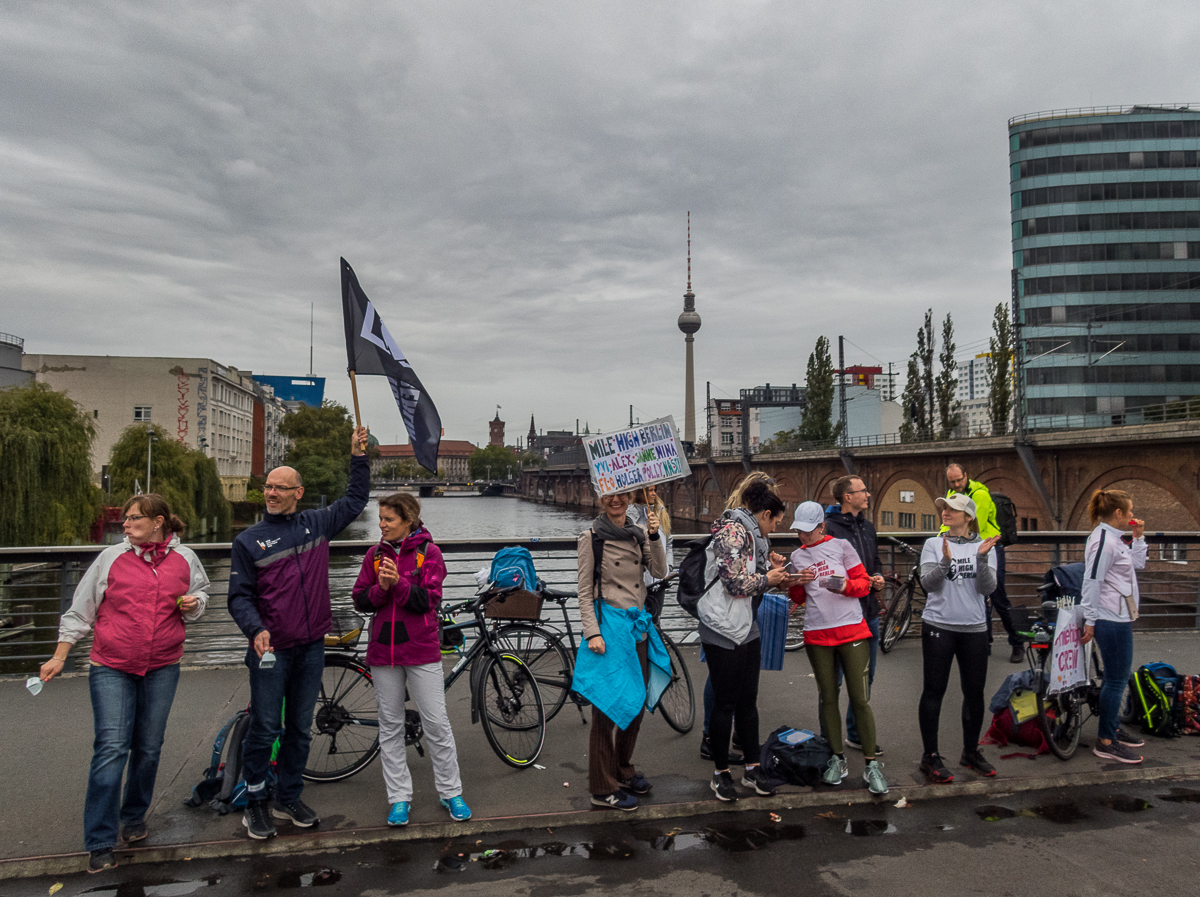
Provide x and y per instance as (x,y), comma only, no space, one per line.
(830,579)
(958,572)
(1110,605)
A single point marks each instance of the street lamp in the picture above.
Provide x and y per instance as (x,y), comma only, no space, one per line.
(151,438)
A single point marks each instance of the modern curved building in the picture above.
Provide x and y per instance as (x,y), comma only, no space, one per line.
(1106,261)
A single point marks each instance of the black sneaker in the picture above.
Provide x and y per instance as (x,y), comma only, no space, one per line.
(257,819)
(757,779)
(706,753)
(722,786)
(99,860)
(639,784)
(935,770)
(1128,739)
(857,746)
(297,811)
(1018,655)
(132,833)
(618,800)
(974,760)
(1116,751)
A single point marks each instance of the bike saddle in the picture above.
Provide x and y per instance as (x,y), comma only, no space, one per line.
(557,594)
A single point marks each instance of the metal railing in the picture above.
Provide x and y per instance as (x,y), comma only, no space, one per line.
(1082,111)
(38,584)
(12,340)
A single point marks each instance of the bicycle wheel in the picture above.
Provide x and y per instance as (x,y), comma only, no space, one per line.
(543,653)
(510,709)
(678,701)
(345,727)
(898,615)
(794,640)
(1060,716)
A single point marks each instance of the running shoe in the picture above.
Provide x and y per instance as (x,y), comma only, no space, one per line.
(755,778)
(399,814)
(975,760)
(1116,751)
(735,758)
(138,832)
(99,860)
(459,811)
(935,770)
(300,813)
(722,786)
(1128,738)
(835,770)
(257,819)
(618,800)
(876,783)
(637,784)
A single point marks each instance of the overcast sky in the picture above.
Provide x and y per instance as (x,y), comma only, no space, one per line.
(511,182)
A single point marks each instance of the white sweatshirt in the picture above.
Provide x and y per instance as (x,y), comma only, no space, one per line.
(1109,575)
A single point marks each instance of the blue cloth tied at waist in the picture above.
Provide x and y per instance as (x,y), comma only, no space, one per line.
(612,681)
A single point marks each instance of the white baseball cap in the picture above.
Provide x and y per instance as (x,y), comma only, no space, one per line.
(809,515)
(957,502)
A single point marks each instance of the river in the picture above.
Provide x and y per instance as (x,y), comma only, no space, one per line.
(468,516)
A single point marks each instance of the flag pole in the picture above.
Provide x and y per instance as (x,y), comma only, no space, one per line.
(354,392)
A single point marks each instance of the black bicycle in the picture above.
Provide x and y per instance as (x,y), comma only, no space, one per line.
(505,699)
(900,599)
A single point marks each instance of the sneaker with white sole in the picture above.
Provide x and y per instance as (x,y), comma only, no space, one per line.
(1116,751)
(722,786)
(876,783)
(257,819)
(618,800)
(1128,739)
(459,811)
(296,811)
(835,770)
(755,778)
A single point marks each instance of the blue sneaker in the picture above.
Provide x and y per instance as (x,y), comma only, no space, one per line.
(459,811)
(399,814)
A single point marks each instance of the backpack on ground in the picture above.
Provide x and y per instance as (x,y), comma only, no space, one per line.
(223,787)
(692,584)
(1153,693)
(1006,518)
(1189,697)
(794,764)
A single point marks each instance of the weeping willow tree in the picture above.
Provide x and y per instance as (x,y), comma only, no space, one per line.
(45,468)
(185,477)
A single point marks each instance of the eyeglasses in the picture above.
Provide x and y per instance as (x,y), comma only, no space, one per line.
(853,491)
(133,517)
(280,488)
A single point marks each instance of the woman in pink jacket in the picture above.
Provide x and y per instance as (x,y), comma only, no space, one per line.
(401,580)
(137,596)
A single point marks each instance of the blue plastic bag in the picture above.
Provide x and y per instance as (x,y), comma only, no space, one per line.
(772,629)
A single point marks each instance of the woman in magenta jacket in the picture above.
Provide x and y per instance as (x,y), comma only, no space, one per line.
(401,582)
(135,599)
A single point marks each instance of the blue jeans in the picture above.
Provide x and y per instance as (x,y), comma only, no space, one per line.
(1115,641)
(130,717)
(294,683)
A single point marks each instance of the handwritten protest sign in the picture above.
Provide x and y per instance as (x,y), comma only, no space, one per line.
(639,456)
(1068,659)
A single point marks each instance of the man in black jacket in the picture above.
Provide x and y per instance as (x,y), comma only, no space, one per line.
(850,522)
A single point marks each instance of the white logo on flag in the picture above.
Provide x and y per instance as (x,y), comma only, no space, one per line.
(382,339)
(407,398)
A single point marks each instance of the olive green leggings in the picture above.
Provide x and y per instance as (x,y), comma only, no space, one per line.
(855,657)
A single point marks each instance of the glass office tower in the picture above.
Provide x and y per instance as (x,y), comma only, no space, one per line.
(1106,261)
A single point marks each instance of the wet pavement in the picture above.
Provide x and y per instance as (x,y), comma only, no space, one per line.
(1101,839)
(46,742)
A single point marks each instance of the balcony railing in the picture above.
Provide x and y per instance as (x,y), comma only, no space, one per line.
(38,584)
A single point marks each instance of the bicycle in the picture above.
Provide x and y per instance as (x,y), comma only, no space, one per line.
(505,699)
(900,599)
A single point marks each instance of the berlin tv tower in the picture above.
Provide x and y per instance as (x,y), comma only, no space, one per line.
(689,323)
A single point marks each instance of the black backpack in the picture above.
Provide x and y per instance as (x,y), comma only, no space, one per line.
(691,576)
(1006,518)
(1154,692)
(795,764)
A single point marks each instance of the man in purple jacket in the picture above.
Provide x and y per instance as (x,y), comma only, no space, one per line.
(279,597)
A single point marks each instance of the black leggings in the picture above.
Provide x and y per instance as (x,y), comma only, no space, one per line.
(734,673)
(940,648)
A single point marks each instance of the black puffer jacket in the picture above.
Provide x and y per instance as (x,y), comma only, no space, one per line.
(859,532)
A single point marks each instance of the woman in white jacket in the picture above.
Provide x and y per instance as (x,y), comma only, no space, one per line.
(1110,605)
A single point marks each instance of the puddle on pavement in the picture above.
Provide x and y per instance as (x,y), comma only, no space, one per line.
(1063,814)
(994,813)
(866,828)
(154,887)
(311,877)
(1181,796)
(1124,804)
(740,839)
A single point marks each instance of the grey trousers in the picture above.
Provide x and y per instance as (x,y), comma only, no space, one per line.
(424,685)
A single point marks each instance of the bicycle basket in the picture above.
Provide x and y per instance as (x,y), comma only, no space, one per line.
(347,628)
(520,605)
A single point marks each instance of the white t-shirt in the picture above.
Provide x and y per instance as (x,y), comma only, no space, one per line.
(825,609)
(958,602)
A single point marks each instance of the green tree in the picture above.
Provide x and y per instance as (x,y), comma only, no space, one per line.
(920,400)
(816,424)
(999,370)
(320,448)
(185,477)
(915,422)
(45,468)
(494,461)
(946,384)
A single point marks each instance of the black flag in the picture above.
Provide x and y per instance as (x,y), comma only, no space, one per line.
(370,349)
